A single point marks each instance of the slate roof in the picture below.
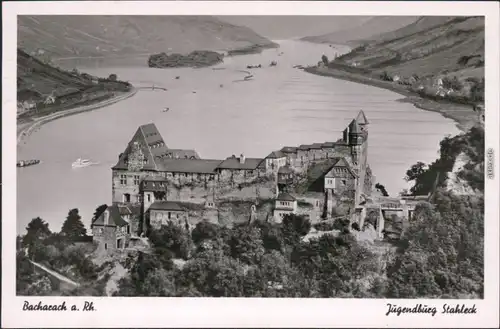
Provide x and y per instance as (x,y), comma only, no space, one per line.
(316,146)
(167,205)
(165,152)
(195,166)
(289,149)
(328,145)
(276,155)
(354,127)
(115,219)
(285,197)
(341,162)
(304,147)
(146,136)
(234,163)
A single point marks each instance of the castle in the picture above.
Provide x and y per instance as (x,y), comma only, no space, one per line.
(153,184)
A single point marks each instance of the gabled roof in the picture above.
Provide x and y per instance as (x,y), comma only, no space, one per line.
(147,138)
(115,219)
(285,197)
(304,147)
(234,163)
(289,149)
(342,163)
(361,118)
(167,205)
(276,155)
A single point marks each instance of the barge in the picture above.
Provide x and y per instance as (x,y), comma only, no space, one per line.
(26,163)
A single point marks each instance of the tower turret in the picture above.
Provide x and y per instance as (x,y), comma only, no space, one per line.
(355,140)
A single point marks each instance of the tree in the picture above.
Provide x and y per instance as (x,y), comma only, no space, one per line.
(204,230)
(173,238)
(415,171)
(98,211)
(36,230)
(112,77)
(324,59)
(294,227)
(73,227)
(246,244)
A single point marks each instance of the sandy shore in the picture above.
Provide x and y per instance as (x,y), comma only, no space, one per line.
(462,114)
(24,130)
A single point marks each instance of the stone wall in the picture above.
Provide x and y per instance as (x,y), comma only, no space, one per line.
(105,236)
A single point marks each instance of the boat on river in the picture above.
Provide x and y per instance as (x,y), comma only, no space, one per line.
(26,163)
(166,109)
(79,163)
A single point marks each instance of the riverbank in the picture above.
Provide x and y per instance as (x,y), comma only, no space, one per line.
(24,130)
(462,114)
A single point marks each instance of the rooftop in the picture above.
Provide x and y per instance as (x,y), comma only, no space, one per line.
(285,197)
(275,155)
(289,149)
(234,163)
(115,218)
(167,205)
(196,166)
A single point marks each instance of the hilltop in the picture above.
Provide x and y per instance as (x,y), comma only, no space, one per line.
(426,51)
(365,30)
(45,92)
(437,62)
(52,37)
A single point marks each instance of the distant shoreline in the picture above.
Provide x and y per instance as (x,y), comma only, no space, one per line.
(24,130)
(463,115)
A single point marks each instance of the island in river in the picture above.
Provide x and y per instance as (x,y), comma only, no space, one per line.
(197,58)
(201,58)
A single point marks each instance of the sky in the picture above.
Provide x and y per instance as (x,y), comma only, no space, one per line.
(291,27)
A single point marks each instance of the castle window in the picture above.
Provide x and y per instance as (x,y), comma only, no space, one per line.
(123,179)
(126,197)
(169,215)
(317,203)
(136,180)
(128,229)
(149,197)
(344,182)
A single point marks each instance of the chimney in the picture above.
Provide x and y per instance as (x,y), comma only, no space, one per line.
(242,158)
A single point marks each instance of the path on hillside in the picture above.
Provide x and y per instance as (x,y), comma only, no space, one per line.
(55,274)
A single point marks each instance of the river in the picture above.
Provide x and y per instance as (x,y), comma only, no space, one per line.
(281,106)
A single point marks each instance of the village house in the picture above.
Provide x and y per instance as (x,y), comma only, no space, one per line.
(110,229)
(165,212)
(285,204)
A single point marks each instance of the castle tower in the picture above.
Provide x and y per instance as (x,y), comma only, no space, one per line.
(355,139)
